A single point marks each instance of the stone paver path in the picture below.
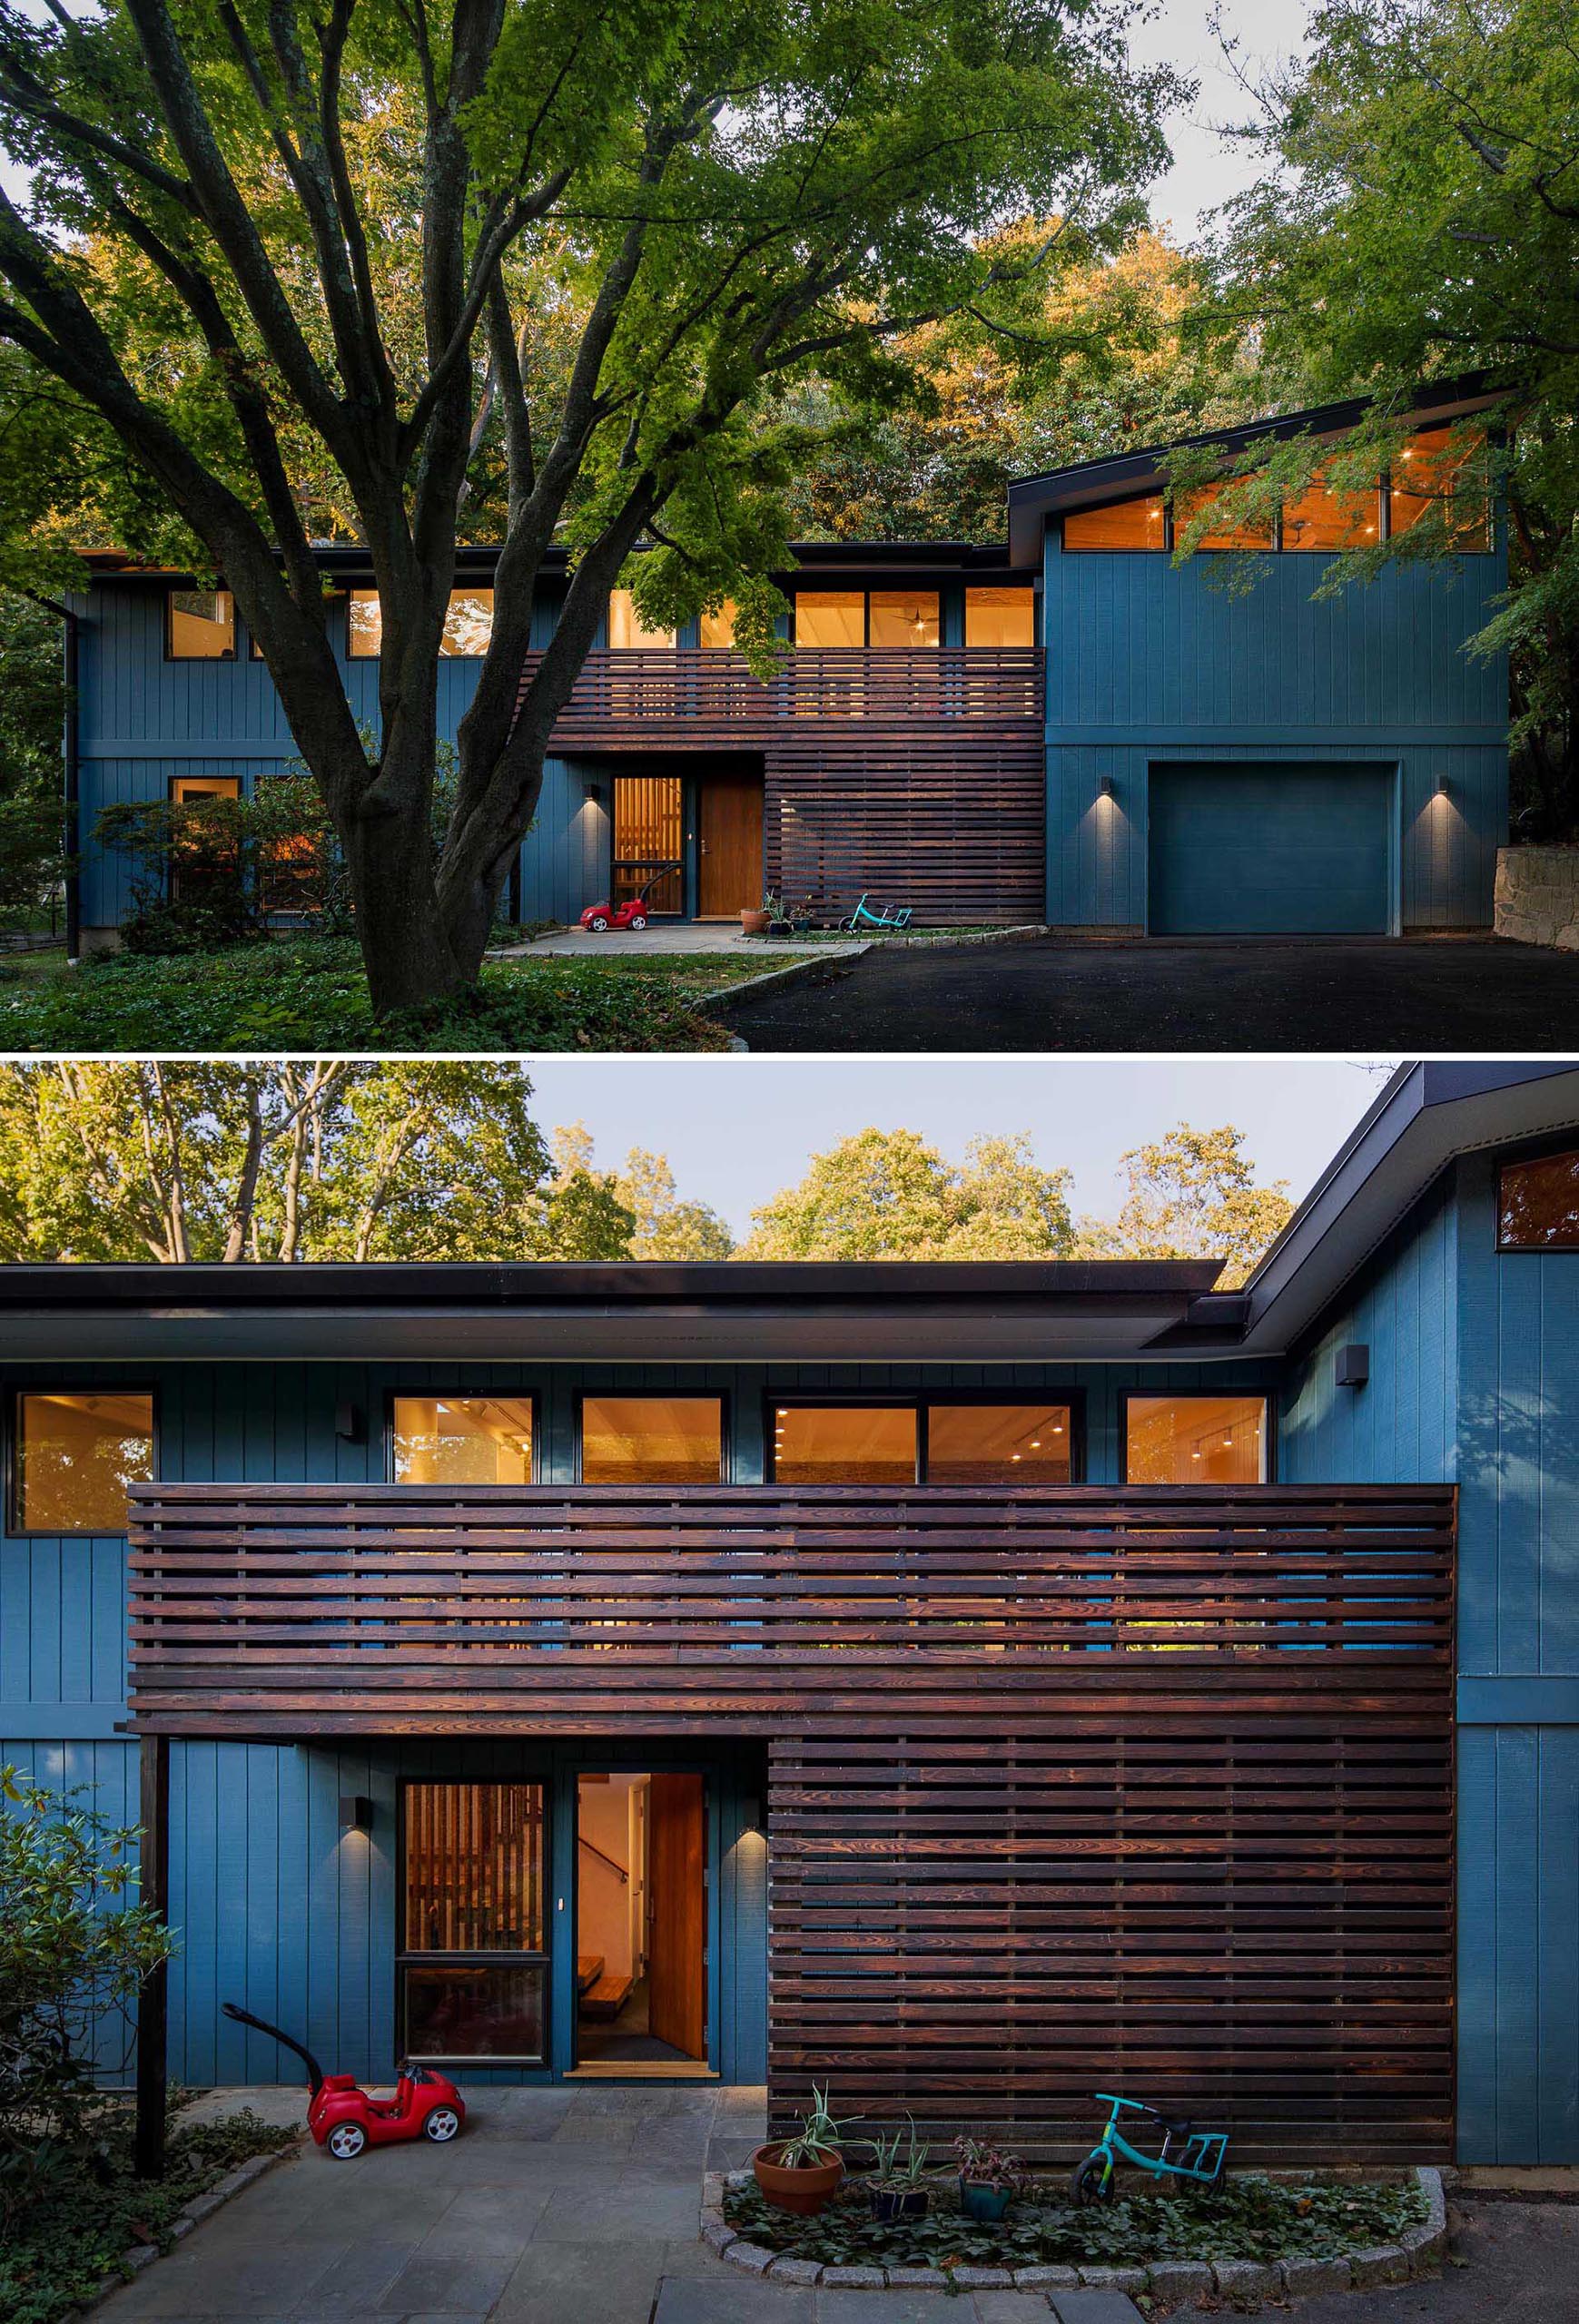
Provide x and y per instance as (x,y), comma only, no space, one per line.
(578,2205)
(680,937)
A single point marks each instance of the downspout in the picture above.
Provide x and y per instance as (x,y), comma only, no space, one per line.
(70,746)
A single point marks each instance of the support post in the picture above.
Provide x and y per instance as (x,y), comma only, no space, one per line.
(153,2002)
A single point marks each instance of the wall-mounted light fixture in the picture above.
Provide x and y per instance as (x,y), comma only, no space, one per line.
(1352,1366)
(1105,787)
(750,1815)
(356,1812)
(593,790)
(350,1423)
(1442,786)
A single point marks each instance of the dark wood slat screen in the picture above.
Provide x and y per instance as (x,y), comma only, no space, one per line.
(917,773)
(434,1609)
(1071,1786)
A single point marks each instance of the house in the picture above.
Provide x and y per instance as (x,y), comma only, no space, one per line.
(969,1685)
(1066,728)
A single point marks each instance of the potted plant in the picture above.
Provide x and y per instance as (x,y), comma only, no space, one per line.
(989,2178)
(802,2174)
(756,923)
(895,2185)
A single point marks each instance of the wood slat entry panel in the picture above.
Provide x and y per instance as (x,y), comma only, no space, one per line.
(1245,1918)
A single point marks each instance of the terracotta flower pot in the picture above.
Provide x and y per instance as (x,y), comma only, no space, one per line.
(754,922)
(805,2191)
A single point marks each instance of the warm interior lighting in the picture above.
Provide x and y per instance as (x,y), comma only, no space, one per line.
(1444,473)
(1168,1437)
(1123,523)
(652,1440)
(1324,517)
(1000,616)
(201,625)
(626,629)
(462,1440)
(77,1455)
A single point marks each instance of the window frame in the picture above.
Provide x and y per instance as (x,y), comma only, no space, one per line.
(535,1773)
(866,591)
(1028,590)
(1073,1400)
(1164,547)
(1543,1149)
(1205,1395)
(392,1396)
(722,1396)
(187,661)
(14,1529)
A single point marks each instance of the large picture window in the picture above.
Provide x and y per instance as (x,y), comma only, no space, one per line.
(1537,1206)
(75,1456)
(462,1440)
(473,1959)
(1195,1440)
(831,620)
(652,1440)
(967,1443)
(1000,616)
(201,625)
(467,624)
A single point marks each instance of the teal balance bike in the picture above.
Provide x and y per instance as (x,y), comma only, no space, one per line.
(1187,2152)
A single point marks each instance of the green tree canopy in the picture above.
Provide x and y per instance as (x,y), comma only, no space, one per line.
(353,269)
(659,1224)
(1192,1194)
(888,1195)
(1419,215)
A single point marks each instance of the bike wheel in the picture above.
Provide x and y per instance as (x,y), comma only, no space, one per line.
(1091,2181)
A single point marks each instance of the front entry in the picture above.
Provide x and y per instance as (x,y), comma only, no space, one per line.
(729,832)
(640,1923)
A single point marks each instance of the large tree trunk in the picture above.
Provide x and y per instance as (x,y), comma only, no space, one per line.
(409,959)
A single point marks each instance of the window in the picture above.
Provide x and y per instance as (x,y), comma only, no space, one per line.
(202,626)
(1440,469)
(939,1444)
(184,788)
(844,1445)
(1000,616)
(473,1959)
(467,624)
(716,630)
(77,1455)
(652,1440)
(462,1440)
(997,1445)
(1123,523)
(831,618)
(627,628)
(1537,1206)
(1325,519)
(1231,535)
(1195,1441)
(903,618)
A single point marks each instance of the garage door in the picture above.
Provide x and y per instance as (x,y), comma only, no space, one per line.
(1270,851)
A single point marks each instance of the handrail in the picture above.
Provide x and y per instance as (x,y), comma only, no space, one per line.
(698,683)
(593,1849)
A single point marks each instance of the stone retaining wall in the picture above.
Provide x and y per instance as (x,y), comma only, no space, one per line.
(1537,896)
(1241,2283)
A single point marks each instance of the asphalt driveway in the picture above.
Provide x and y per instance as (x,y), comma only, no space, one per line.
(1420,996)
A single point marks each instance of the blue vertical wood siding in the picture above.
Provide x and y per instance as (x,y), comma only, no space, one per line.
(1147,662)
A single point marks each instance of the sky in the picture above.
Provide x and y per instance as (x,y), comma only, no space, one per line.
(1207,168)
(736,1129)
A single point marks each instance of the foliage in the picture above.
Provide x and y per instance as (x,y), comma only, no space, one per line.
(57,2252)
(75,1944)
(1416,216)
(366,275)
(984,2163)
(33,858)
(309,995)
(898,2163)
(657,1224)
(1252,2217)
(1192,1194)
(818,2139)
(888,1195)
(32,699)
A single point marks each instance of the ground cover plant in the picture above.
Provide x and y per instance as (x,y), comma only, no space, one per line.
(311,994)
(55,2251)
(1252,2217)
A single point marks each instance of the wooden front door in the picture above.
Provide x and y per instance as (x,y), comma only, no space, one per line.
(730,831)
(677,1990)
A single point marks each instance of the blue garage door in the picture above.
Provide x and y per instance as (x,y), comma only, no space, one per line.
(1270,851)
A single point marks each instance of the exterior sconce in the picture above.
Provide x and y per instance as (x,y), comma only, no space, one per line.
(1442,786)
(1105,787)
(593,790)
(1352,1368)
(750,1816)
(356,1812)
(349,1422)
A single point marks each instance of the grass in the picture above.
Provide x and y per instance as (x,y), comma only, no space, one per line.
(308,994)
(74,2227)
(1251,2218)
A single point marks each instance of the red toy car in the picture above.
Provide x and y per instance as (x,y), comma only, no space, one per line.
(632,912)
(344,2119)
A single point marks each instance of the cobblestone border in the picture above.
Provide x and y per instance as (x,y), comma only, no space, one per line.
(202,2207)
(1243,2283)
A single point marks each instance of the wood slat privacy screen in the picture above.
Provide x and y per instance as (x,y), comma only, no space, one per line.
(918,774)
(1070,1787)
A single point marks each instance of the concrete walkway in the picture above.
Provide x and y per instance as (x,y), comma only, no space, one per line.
(578,2205)
(679,938)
